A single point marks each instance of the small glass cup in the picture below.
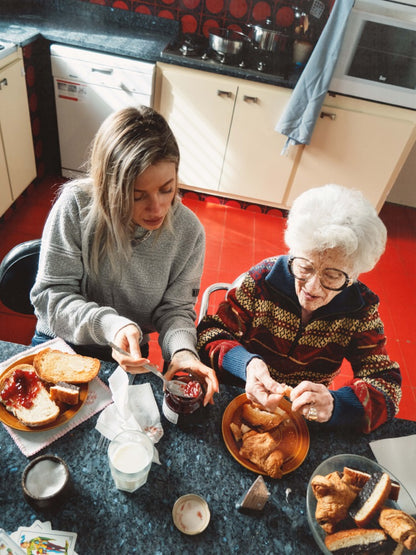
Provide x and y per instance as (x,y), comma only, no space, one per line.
(130,456)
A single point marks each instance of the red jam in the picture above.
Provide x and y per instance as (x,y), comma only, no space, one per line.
(192,389)
(21,389)
(175,407)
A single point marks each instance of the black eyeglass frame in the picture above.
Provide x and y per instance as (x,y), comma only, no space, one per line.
(344,286)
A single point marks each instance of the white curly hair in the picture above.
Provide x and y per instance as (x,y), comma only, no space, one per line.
(333,216)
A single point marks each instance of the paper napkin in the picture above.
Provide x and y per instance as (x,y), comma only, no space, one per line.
(134,408)
(398,455)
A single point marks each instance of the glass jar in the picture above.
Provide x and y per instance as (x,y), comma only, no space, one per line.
(184,410)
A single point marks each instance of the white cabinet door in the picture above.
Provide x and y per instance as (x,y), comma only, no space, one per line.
(198,106)
(5,193)
(15,127)
(355,149)
(254,167)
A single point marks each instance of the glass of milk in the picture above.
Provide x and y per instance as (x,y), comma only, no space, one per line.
(130,456)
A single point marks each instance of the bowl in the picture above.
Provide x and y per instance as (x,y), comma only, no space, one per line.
(191,514)
(337,463)
(45,481)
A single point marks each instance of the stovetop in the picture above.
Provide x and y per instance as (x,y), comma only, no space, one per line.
(194,51)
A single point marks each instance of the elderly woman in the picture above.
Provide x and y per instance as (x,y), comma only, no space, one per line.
(295,318)
(121,256)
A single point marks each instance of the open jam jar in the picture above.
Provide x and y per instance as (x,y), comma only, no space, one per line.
(184,410)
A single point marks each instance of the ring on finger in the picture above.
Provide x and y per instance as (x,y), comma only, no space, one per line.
(312,414)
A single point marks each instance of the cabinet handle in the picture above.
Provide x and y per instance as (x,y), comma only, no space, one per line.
(328,115)
(3,83)
(108,71)
(252,99)
(228,94)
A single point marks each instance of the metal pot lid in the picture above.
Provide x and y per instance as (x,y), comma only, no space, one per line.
(228,34)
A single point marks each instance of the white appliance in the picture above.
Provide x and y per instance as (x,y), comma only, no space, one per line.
(88,87)
(377,60)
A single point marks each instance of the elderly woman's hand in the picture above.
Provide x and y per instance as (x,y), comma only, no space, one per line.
(260,386)
(313,400)
(128,339)
(187,361)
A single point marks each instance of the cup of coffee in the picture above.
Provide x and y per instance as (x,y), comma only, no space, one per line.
(130,456)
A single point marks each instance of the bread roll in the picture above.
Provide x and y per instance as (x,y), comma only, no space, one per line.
(260,418)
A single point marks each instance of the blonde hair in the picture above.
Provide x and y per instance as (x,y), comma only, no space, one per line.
(127,143)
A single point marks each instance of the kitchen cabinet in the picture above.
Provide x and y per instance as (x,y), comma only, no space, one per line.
(225,130)
(17,159)
(358,144)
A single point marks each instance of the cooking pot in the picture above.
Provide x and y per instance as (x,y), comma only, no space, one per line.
(266,38)
(226,41)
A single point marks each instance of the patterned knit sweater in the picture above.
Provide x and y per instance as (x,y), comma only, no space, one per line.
(263,318)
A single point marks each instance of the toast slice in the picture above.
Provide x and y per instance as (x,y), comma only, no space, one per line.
(25,396)
(55,366)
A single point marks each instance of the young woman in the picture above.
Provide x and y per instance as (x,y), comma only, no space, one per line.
(121,256)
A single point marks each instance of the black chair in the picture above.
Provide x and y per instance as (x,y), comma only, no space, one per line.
(18,271)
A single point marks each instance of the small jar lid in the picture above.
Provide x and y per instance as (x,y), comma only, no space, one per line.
(191,514)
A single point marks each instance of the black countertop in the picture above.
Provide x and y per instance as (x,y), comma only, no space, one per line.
(195,460)
(110,30)
(86,25)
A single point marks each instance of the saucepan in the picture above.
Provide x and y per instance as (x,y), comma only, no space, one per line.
(227,42)
(266,38)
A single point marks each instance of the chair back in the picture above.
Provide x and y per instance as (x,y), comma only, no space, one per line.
(18,271)
(203,311)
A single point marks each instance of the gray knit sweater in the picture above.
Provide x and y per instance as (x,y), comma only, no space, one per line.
(157,290)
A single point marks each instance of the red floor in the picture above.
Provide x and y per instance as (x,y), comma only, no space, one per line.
(238,238)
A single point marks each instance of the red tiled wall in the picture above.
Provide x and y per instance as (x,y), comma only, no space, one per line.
(197,16)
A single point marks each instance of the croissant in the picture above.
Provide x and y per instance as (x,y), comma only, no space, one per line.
(400,526)
(334,497)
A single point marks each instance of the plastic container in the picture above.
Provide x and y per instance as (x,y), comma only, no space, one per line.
(184,411)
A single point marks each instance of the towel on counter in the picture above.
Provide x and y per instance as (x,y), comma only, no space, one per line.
(299,118)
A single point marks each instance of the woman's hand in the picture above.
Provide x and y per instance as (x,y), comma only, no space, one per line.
(187,361)
(128,339)
(261,388)
(313,400)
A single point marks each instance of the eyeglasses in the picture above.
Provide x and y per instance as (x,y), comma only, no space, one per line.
(330,278)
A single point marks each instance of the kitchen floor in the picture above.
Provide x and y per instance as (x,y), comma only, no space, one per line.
(236,239)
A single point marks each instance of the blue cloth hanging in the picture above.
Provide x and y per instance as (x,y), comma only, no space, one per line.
(299,118)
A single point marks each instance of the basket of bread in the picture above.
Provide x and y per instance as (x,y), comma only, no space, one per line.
(271,443)
(354,507)
(45,389)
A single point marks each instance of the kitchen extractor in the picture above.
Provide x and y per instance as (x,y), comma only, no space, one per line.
(88,87)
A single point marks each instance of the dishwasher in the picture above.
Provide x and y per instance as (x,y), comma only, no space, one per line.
(88,87)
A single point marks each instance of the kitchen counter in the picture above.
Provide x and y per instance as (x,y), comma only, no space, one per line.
(86,25)
(113,31)
(195,460)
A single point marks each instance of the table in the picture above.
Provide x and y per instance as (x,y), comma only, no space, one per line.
(195,460)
